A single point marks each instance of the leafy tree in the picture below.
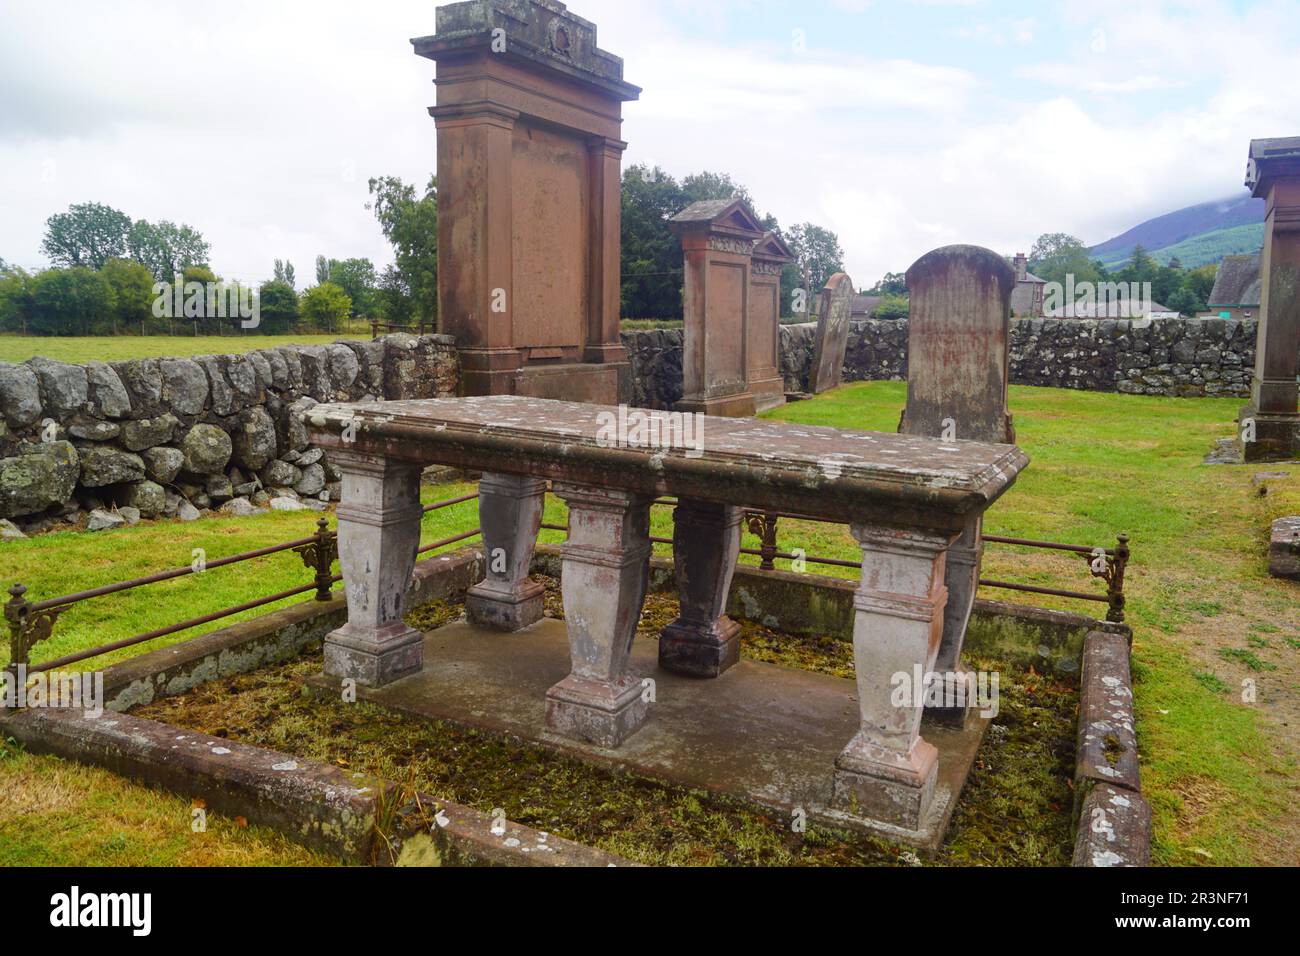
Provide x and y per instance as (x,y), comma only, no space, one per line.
(15,299)
(1201,282)
(651,254)
(893,283)
(1057,255)
(75,301)
(279,307)
(356,277)
(322,270)
(817,253)
(284,273)
(165,248)
(701,186)
(1184,301)
(88,234)
(325,306)
(409,220)
(892,306)
(393,302)
(133,294)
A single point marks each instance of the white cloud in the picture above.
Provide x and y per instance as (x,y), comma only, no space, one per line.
(247,119)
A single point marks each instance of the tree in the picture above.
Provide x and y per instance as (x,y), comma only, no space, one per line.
(88,234)
(893,283)
(74,301)
(651,254)
(165,248)
(392,301)
(1056,255)
(892,307)
(1184,301)
(279,307)
(322,270)
(409,220)
(15,299)
(284,273)
(356,277)
(817,253)
(325,306)
(706,185)
(133,294)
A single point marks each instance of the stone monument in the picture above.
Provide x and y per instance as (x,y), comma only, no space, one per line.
(718,238)
(529,118)
(832,333)
(1269,427)
(958,367)
(764,339)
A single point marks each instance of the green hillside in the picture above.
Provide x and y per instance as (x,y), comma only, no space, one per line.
(1207,248)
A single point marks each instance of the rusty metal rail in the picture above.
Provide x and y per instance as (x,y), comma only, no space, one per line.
(1108,564)
(31,622)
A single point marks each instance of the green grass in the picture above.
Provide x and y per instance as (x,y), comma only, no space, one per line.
(116,348)
(54,813)
(1220,772)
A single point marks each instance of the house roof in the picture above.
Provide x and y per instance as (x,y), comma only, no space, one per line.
(1237,282)
(1105,309)
(865,304)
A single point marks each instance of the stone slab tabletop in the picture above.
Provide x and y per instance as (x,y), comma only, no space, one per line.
(833,473)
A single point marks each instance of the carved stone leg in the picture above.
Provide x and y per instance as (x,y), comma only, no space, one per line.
(961,577)
(887,772)
(605,571)
(379,532)
(510,513)
(703,641)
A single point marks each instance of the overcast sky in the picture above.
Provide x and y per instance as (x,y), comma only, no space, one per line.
(900,124)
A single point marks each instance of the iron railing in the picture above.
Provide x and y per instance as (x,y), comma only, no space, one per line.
(31,622)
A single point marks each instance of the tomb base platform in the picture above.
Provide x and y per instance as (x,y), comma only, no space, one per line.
(766,734)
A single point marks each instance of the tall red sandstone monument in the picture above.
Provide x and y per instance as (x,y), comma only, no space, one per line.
(1269,427)
(529,118)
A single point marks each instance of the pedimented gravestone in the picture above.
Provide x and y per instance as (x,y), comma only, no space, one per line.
(718,237)
(832,333)
(958,367)
(764,334)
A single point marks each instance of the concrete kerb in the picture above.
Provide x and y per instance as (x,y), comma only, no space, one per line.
(1113,819)
(357,818)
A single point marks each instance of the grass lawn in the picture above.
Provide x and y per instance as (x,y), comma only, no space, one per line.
(54,813)
(1219,767)
(115,348)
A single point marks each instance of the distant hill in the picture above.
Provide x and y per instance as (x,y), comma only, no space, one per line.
(1197,235)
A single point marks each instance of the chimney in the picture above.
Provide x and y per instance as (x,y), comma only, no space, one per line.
(1022,267)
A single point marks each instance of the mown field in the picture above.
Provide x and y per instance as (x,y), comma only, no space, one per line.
(1218,766)
(118,348)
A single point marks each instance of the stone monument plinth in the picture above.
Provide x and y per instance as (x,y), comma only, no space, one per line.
(1269,427)
(529,118)
(718,237)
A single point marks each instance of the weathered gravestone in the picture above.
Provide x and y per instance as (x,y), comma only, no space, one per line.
(1269,427)
(529,121)
(958,367)
(764,337)
(718,238)
(832,333)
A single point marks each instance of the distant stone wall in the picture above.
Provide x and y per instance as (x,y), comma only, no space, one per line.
(112,442)
(1175,357)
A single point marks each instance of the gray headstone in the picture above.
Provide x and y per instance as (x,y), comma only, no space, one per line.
(832,333)
(957,345)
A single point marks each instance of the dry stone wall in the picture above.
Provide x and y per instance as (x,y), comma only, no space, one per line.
(1174,357)
(109,443)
